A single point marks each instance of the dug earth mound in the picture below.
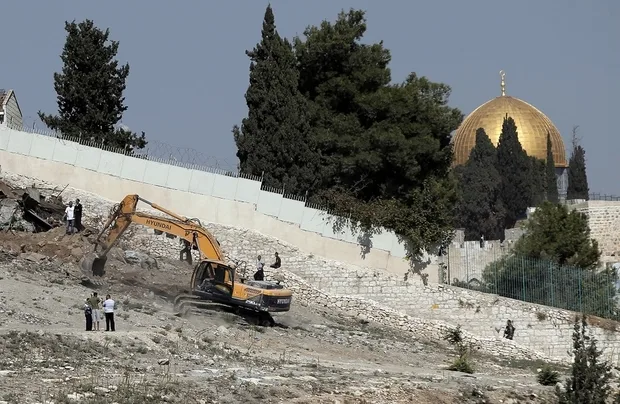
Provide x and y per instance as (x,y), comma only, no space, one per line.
(325,350)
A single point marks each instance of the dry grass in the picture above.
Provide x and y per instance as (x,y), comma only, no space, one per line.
(604,323)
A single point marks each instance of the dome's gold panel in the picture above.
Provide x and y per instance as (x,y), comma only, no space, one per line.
(532,128)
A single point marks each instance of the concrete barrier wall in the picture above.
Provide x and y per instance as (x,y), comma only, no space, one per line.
(196,191)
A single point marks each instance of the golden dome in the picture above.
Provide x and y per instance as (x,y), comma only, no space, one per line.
(532,128)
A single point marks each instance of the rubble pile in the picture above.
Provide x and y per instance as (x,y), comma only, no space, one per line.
(28,210)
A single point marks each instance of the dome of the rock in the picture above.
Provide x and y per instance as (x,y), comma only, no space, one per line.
(532,129)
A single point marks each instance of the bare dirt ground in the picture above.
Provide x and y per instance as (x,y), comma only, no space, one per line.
(155,356)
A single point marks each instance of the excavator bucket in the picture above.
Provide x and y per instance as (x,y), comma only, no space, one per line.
(92,264)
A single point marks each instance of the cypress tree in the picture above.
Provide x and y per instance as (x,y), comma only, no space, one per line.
(90,89)
(481,208)
(537,180)
(273,139)
(577,178)
(590,377)
(551,185)
(514,168)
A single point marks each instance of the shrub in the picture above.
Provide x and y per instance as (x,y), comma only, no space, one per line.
(548,377)
(462,363)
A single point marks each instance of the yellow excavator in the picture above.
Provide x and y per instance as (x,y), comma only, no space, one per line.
(213,283)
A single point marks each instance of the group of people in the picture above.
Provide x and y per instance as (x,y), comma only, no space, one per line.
(73,217)
(259,275)
(92,312)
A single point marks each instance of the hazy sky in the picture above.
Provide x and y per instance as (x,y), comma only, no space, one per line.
(189,71)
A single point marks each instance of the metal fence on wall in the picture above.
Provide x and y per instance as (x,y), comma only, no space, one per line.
(154,150)
(542,282)
(592,196)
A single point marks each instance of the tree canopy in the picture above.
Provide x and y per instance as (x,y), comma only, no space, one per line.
(377,153)
(273,140)
(385,149)
(514,169)
(551,186)
(562,236)
(481,209)
(577,177)
(538,180)
(90,89)
(514,181)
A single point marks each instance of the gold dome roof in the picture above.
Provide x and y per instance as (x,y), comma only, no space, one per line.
(532,128)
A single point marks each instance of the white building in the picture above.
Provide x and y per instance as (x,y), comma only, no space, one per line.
(10,113)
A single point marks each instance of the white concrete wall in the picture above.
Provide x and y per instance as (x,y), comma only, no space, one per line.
(194,191)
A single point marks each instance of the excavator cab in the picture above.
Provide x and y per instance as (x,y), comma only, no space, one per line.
(213,278)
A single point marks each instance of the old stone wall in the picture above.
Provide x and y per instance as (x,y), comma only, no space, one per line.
(389,299)
(604,221)
(465,261)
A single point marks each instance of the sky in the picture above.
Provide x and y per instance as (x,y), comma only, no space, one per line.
(189,71)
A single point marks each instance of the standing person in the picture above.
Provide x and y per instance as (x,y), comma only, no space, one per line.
(88,313)
(259,275)
(69,216)
(278,262)
(187,251)
(94,301)
(77,211)
(108,311)
(509,332)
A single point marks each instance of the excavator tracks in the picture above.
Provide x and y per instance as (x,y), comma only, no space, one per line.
(185,304)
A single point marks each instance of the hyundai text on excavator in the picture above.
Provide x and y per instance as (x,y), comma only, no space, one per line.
(213,281)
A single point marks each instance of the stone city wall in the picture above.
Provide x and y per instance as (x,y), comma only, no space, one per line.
(604,221)
(383,297)
(465,261)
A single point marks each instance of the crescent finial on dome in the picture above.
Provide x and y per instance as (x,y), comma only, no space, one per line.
(502,74)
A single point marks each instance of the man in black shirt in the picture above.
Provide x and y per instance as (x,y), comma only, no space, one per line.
(77,213)
(278,262)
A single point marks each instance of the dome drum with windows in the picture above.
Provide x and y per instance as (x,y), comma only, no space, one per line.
(532,127)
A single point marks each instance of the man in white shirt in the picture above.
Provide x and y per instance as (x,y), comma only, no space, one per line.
(108,312)
(70,217)
(259,275)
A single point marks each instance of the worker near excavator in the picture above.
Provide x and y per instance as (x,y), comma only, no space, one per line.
(88,313)
(77,213)
(259,275)
(278,262)
(94,301)
(69,216)
(187,251)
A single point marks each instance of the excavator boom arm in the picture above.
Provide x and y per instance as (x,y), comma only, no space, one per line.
(187,229)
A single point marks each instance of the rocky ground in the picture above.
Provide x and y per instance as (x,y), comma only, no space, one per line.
(314,356)
(155,356)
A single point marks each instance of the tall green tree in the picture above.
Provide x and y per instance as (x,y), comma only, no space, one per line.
(590,377)
(513,166)
(385,149)
(551,186)
(274,138)
(537,181)
(562,236)
(481,212)
(577,177)
(90,90)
